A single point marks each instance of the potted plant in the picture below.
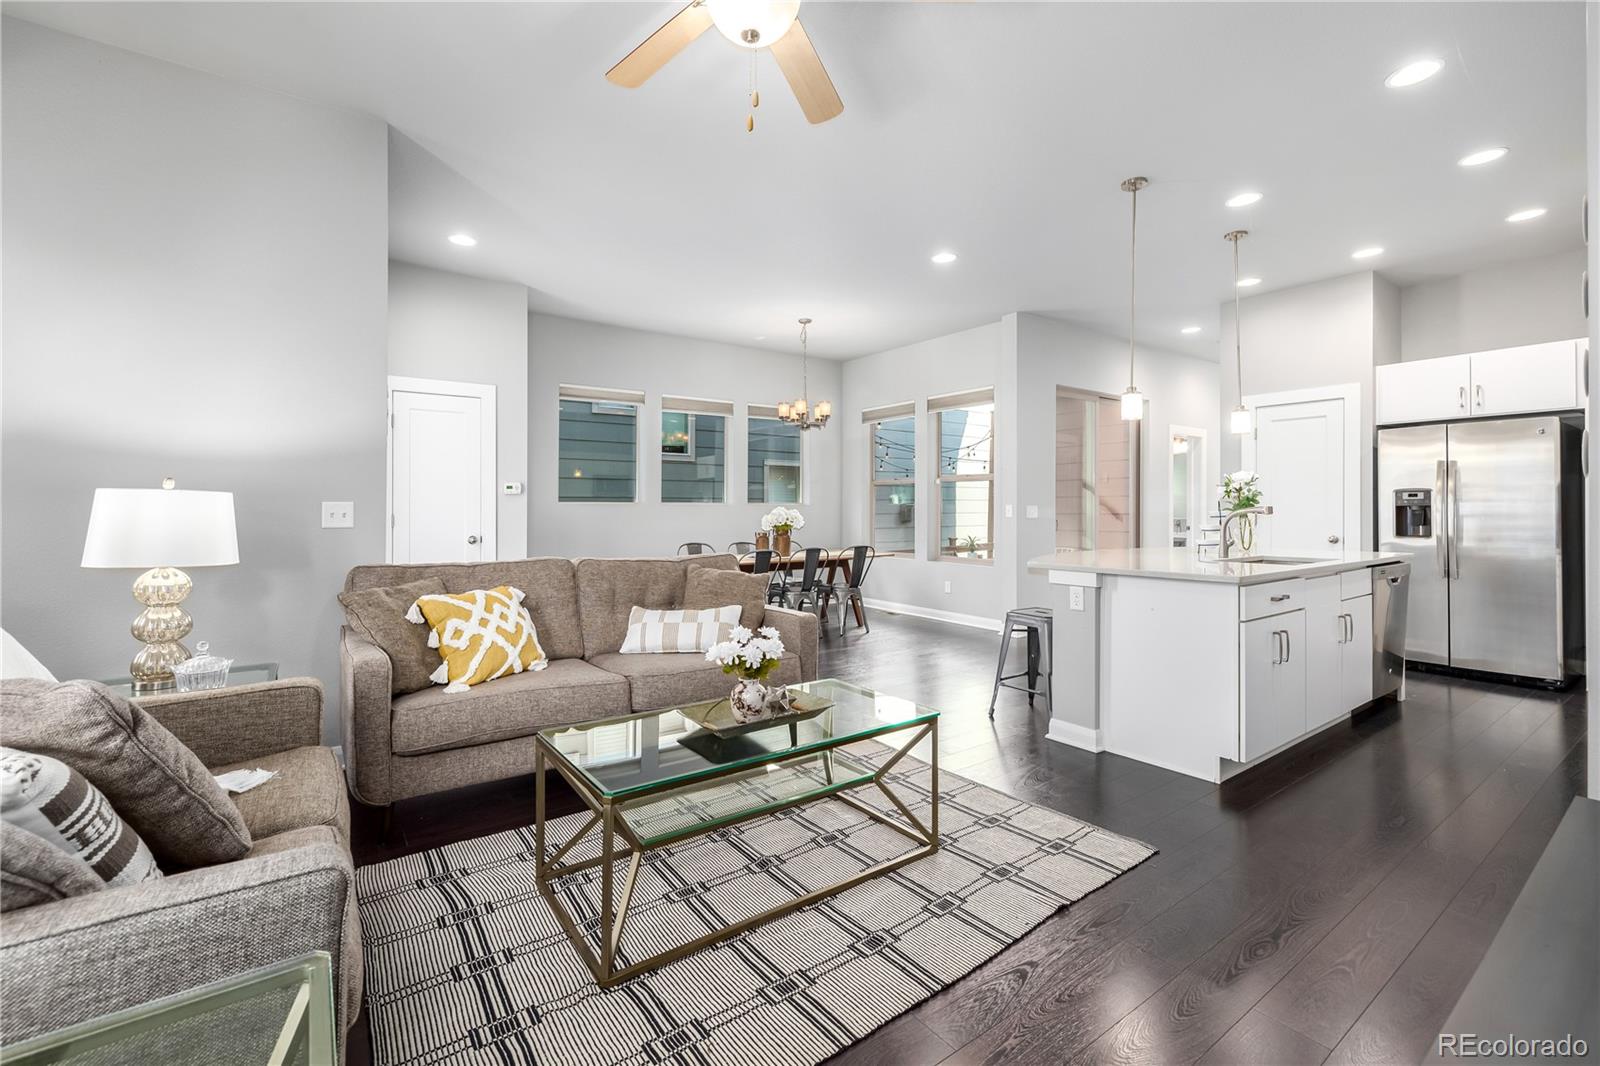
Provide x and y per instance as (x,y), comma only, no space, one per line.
(1240,490)
(780,522)
(750,657)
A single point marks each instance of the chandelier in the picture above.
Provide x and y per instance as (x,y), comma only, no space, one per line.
(800,412)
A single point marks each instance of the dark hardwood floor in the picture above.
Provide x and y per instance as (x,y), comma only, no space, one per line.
(1329,905)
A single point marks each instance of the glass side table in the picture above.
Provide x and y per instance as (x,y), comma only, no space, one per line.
(280,1015)
(239,674)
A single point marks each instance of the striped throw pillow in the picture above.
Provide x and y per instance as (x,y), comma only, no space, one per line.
(54,802)
(658,631)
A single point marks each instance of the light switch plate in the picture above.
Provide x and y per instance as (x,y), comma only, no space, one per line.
(1075,597)
(338,515)
(947,588)
(1033,510)
(1010,511)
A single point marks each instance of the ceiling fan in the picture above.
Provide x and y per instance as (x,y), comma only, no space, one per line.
(752,24)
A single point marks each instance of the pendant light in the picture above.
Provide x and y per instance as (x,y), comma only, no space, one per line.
(1133,399)
(800,412)
(1239,420)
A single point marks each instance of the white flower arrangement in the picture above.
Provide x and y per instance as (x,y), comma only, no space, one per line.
(750,655)
(782,520)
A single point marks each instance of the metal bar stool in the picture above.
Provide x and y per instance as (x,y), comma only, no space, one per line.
(1039,624)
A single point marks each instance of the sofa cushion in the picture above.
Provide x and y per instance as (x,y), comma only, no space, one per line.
(34,871)
(567,691)
(379,615)
(708,586)
(158,786)
(608,589)
(549,588)
(657,682)
(308,790)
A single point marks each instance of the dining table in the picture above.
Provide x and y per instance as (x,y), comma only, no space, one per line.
(839,562)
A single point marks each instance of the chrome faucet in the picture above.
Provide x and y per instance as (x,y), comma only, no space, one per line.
(1222,547)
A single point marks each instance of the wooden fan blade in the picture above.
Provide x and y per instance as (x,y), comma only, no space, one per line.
(811,84)
(679,32)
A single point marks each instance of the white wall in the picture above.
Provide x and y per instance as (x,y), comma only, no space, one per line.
(457,328)
(954,363)
(1327,333)
(573,352)
(1524,302)
(1592,537)
(194,286)
(1025,357)
(1179,390)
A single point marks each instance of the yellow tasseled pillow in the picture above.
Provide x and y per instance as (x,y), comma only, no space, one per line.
(481,635)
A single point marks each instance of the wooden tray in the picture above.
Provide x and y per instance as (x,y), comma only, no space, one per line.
(717,717)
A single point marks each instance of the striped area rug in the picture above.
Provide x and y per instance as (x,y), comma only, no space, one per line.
(466,964)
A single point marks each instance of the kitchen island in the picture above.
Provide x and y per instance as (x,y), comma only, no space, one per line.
(1207,666)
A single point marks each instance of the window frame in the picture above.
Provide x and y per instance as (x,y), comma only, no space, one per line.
(693,456)
(874,482)
(940,478)
(769,413)
(597,400)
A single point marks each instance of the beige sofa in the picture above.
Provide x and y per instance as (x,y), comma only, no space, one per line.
(421,742)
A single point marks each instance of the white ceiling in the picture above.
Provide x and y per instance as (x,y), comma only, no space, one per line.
(998,130)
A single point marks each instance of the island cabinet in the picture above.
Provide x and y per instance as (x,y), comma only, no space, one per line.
(1272,674)
(1338,646)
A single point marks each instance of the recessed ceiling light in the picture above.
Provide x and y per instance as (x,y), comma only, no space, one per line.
(1481,156)
(1245,283)
(1525,215)
(1190,329)
(1366,253)
(1412,73)
(943,257)
(463,239)
(1244,199)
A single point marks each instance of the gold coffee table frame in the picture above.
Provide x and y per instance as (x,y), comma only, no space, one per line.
(605,812)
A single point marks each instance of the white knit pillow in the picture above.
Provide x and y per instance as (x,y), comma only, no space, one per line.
(58,805)
(657,631)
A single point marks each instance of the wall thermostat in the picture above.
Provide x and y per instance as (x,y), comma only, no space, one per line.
(512,488)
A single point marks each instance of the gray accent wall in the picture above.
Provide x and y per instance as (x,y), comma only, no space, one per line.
(574,352)
(194,287)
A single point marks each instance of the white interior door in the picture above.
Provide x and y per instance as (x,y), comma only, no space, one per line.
(442,474)
(1307,477)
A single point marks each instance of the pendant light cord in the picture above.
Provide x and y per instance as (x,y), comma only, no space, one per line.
(1133,255)
(1238,358)
(805,378)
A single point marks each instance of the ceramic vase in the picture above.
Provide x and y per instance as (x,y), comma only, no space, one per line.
(749,700)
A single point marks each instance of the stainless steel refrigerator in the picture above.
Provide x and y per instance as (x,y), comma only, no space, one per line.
(1492,515)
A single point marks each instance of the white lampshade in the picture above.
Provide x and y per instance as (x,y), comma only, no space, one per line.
(1239,420)
(140,529)
(1132,405)
(753,23)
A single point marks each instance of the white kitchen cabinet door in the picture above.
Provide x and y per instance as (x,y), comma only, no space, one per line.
(1535,377)
(1355,671)
(1324,653)
(1272,674)
(1426,390)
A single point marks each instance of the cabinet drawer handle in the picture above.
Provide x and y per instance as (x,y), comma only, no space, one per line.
(1461,398)
(1479,390)
(1279,598)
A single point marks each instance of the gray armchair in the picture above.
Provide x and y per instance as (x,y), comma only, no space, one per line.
(81,957)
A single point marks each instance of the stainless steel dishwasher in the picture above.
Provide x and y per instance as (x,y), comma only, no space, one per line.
(1391,586)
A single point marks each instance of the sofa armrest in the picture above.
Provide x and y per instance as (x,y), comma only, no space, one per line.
(79,958)
(368,718)
(229,725)
(799,631)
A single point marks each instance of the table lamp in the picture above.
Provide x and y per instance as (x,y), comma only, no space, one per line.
(159,530)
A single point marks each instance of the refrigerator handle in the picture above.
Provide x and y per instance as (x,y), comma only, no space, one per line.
(1453,476)
(1441,532)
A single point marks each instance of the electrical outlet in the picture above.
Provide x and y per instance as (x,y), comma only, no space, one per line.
(947,588)
(338,515)
(1033,510)
(1075,597)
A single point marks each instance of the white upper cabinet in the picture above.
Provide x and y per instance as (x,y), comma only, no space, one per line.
(1425,390)
(1509,381)
(1514,381)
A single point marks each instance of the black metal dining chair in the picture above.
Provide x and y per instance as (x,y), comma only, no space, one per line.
(696,547)
(809,592)
(761,563)
(741,547)
(848,591)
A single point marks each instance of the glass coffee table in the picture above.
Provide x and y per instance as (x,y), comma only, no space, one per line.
(653,779)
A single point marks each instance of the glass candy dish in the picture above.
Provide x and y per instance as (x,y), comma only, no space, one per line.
(204,671)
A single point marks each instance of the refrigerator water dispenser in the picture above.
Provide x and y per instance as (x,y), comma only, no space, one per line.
(1413,513)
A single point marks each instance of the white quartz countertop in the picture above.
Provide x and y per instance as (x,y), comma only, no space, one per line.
(1183,564)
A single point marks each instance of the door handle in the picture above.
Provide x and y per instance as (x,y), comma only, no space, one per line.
(1477,391)
(1441,532)
(1461,398)
(1277,645)
(1333,538)
(472,539)
(1288,647)
(1455,519)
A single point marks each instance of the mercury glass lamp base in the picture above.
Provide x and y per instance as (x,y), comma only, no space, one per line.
(162,625)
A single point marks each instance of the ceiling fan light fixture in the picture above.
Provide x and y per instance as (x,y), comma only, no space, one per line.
(752,23)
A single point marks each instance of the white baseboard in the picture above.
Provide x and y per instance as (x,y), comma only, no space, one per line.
(1077,736)
(933,614)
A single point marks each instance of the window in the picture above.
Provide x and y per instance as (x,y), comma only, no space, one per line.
(598,448)
(964,427)
(774,458)
(1097,473)
(893,433)
(694,450)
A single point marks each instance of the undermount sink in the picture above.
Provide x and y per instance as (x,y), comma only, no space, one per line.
(1268,560)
